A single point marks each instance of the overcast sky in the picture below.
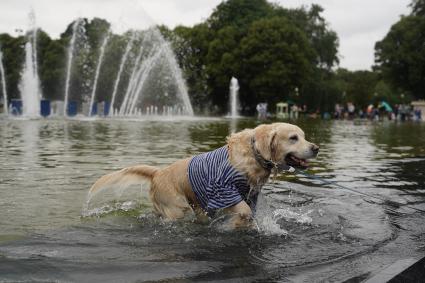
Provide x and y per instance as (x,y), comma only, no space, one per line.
(358,23)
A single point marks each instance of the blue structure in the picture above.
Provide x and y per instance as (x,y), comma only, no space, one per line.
(45,109)
(94,110)
(72,108)
(106,109)
(15,107)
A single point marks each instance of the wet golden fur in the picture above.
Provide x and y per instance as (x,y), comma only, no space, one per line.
(171,192)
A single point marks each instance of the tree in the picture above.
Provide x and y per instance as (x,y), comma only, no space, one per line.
(238,13)
(418,7)
(400,55)
(51,65)
(191,46)
(13,59)
(276,58)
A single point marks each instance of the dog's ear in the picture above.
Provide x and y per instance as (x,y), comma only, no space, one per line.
(265,140)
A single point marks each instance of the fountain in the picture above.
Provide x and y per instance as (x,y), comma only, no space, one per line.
(99,65)
(30,85)
(3,84)
(117,80)
(233,98)
(132,81)
(157,49)
(144,73)
(145,70)
(69,64)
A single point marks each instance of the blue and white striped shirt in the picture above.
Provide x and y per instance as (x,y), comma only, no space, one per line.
(216,183)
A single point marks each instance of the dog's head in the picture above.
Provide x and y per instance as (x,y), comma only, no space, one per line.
(284,143)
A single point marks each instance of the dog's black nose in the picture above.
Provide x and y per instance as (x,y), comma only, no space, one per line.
(315,148)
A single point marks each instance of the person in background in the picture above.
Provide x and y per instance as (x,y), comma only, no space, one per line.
(338,110)
(351,110)
(418,114)
(262,111)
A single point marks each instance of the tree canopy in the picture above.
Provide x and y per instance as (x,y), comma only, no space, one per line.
(271,51)
(400,55)
(276,53)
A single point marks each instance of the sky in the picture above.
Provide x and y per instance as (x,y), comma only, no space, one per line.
(358,23)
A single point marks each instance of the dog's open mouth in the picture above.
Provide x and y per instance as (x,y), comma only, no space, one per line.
(293,161)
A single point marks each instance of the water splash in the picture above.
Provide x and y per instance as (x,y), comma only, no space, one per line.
(155,46)
(265,220)
(3,84)
(144,73)
(177,73)
(122,64)
(289,215)
(233,98)
(108,208)
(30,84)
(99,65)
(69,64)
(132,81)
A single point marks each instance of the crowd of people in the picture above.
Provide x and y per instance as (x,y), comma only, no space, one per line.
(401,112)
(380,111)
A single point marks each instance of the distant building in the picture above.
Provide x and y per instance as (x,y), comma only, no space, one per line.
(419,105)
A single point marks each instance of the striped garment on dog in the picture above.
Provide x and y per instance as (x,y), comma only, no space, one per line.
(216,183)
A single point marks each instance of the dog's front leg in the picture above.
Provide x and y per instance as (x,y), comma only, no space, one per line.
(241,215)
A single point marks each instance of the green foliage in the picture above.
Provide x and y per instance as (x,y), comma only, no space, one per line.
(13,58)
(276,53)
(271,50)
(191,46)
(418,7)
(400,55)
(51,54)
(238,13)
(275,58)
(384,92)
(359,86)
(323,40)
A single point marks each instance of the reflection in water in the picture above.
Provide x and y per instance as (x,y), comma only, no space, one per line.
(308,232)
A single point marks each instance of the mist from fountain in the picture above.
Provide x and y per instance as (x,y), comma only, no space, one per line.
(177,73)
(233,98)
(145,70)
(30,84)
(141,71)
(132,82)
(155,73)
(122,64)
(99,65)
(136,84)
(3,84)
(69,64)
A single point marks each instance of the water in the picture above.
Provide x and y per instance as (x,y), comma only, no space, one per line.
(154,52)
(308,232)
(132,83)
(96,75)
(69,63)
(156,79)
(29,84)
(233,98)
(145,69)
(122,64)
(3,85)
(178,76)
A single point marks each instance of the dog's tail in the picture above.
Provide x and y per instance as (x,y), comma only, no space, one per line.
(124,178)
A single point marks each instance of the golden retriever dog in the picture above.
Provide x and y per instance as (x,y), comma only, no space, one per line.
(226,179)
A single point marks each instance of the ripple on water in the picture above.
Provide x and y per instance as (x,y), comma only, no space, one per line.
(49,165)
(321,226)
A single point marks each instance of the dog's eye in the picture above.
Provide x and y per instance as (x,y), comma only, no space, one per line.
(293,138)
